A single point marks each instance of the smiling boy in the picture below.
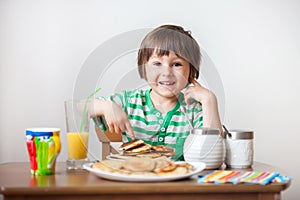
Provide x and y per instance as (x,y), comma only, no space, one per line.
(169,60)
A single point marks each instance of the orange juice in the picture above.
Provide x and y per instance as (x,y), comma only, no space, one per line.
(77,145)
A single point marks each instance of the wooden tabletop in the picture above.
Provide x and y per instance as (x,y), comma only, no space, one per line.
(16,181)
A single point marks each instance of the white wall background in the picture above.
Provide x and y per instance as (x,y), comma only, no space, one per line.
(254,45)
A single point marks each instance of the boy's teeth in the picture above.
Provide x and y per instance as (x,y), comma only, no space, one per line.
(167,83)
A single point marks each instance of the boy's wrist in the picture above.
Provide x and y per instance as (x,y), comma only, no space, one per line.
(106,105)
(210,100)
(98,107)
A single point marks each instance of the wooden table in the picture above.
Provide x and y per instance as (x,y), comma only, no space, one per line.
(17,183)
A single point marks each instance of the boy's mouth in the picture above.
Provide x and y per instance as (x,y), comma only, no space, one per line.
(168,83)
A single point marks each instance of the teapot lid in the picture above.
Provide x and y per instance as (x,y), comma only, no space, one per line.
(205,131)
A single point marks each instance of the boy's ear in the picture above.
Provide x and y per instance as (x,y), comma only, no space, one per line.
(190,79)
(189,82)
(191,75)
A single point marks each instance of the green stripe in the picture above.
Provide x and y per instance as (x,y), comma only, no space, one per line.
(175,123)
(178,113)
(139,118)
(199,119)
(176,134)
(141,108)
(126,101)
(142,130)
(193,110)
(135,93)
(136,106)
(151,143)
(112,98)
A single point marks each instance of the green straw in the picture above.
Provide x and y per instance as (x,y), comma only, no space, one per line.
(84,108)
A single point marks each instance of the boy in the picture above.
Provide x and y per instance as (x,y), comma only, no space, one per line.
(169,60)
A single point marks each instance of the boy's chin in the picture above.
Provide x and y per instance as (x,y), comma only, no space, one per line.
(169,94)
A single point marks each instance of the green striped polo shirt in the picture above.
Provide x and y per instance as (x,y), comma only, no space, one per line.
(150,125)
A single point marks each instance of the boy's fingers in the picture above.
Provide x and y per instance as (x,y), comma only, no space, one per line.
(123,127)
(117,129)
(130,130)
(187,101)
(111,128)
(187,97)
(196,83)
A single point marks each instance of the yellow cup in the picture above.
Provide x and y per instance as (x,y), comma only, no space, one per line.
(77,145)
(77,136)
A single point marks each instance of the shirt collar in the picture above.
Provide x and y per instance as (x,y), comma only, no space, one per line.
(180,102)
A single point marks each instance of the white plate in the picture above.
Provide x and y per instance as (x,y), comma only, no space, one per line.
(111,157)
(198,167)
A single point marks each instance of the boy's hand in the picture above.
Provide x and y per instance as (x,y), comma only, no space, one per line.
(116,119)
(209,103)
(199,93)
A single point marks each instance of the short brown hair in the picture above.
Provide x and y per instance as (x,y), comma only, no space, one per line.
(168,38)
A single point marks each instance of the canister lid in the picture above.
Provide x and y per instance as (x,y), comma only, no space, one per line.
(238,134)
(205,131)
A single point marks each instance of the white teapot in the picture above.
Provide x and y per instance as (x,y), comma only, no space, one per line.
(205,145)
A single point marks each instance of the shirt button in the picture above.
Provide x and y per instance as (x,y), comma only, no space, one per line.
(162,129)
(160,121)
(157,114)
(160,139)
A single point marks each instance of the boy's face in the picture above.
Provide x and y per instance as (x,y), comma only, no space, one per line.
(167,75)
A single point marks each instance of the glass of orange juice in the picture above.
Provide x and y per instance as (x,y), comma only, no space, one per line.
(77,123)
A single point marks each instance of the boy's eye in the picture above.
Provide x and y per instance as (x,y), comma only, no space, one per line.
(177,64)
(157,64)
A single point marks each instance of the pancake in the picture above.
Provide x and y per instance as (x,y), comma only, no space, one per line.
(175,172)
(162,148)
(108,165)
(139,147)
(139,164)
(130,145)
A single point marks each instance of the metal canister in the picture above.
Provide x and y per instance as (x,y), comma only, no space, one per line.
(239,148)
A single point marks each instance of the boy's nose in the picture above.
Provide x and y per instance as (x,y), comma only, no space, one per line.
(167,70)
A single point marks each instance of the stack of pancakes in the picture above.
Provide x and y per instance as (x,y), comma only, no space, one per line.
(139,147)
(135,147)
